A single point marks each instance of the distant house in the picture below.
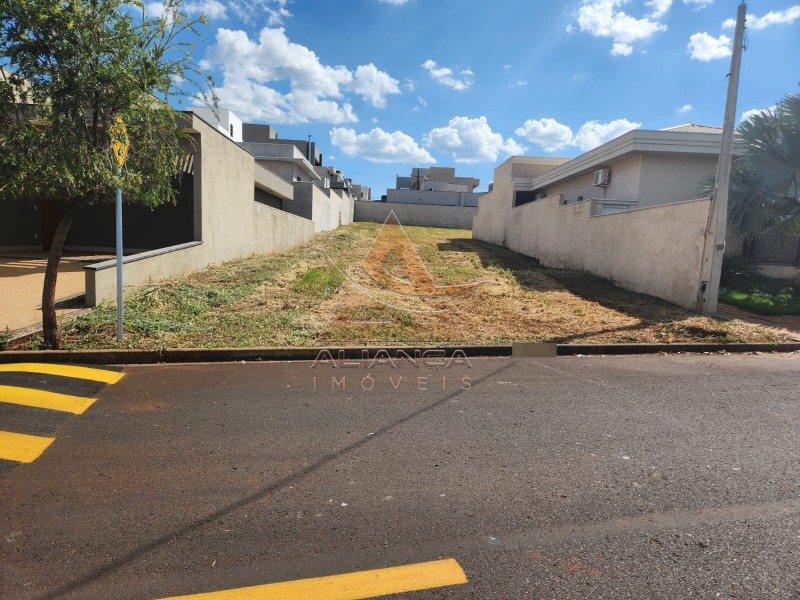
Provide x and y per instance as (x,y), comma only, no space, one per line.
(432,197)
(631,209)
(435,185)
(362,192)
(320,193)
(639,169)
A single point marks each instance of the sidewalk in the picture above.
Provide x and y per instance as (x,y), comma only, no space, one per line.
(786,325)
(22,277)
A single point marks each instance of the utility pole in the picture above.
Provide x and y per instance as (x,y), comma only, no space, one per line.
(718,211)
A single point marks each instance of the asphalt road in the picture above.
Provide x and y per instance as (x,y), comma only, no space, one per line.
(617,477)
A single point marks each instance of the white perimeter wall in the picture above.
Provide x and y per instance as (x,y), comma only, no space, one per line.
(656,250)
(426,215)
(441,198)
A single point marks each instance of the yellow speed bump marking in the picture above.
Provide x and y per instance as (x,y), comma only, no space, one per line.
(20,447)
(100,375)
(42,399)
(349,586)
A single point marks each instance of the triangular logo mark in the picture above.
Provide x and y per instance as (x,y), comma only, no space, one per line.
(393,246)
(394,267)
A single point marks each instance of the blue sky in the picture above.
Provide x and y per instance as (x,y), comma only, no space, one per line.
(385,85)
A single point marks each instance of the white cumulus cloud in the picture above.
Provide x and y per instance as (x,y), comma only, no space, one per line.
(374,85)
(154,9)
(251,10)
(685,108)
(756,111)
(698,3)
(594,133)
(605,18)
(547,133)
(251,69)
(379,146)
(773,17)
(213,9)
(620,49)
(446,76)
(551,135)
(471,141)
(705,47)
(659,7)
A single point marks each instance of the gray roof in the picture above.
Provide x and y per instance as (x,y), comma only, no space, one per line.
(694,128)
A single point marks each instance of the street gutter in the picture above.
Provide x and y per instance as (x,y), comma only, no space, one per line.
(189,355)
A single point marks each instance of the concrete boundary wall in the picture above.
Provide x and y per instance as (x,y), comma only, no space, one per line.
(328,208)
(426,215)
(231,223)
(656,250)
(101,278)
(273,231)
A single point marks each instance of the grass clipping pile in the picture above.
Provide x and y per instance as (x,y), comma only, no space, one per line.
(385,284)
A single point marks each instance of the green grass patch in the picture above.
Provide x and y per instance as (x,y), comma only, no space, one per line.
(743,286)
(784,302)
(317,282)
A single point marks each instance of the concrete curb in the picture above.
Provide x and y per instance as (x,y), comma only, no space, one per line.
(188,355)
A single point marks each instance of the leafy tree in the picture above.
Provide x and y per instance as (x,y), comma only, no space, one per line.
(765,180)
(70,72)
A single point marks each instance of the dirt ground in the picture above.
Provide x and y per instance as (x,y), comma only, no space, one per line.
(373,284)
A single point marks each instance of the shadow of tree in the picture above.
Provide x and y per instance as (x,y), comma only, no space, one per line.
(75,301)
(648,311)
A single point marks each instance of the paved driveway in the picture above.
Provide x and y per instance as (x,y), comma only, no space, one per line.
(22,277)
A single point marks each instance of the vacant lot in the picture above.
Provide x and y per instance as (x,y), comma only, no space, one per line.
(325,292)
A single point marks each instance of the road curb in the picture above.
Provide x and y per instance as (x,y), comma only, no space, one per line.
(189,355)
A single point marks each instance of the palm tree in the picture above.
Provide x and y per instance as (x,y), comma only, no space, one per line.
(765,180)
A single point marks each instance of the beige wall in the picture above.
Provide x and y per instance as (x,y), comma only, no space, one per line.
(224,178)
(232,224)
(530,166)
(624,183)
(327,208)
(495,207)
(673,178)
(651,179)
(346,206)
(101,278)
(277,231)
(426,215)
(654,251)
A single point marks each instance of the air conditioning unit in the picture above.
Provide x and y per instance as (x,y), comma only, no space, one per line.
(602,177)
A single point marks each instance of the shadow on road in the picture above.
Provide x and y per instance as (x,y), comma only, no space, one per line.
(143,549)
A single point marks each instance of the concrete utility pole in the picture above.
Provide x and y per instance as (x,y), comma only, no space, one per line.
(707,303)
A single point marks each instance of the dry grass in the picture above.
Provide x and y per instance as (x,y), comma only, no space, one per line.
(325,293)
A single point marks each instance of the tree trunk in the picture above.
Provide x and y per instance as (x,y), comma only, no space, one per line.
(49,323)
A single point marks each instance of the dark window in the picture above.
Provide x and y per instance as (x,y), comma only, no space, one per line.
(522,197)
